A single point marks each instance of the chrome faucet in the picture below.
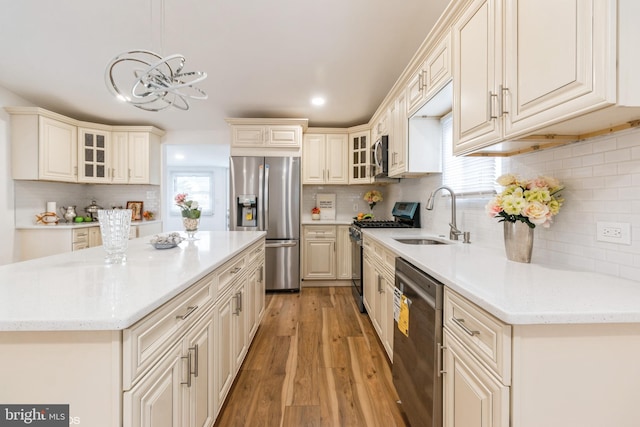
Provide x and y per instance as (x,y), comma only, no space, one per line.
(454,232)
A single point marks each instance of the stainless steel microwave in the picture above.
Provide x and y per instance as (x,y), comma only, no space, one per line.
(381,157)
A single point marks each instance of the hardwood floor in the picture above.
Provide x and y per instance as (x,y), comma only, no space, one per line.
(315,361)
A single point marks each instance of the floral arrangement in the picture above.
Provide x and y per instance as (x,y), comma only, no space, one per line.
(533,201)
(372,197)
(148,215)
(189,208)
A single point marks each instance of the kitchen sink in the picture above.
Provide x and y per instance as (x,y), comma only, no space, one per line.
(421,241)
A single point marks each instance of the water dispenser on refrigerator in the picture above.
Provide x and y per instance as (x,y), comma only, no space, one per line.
(247,210)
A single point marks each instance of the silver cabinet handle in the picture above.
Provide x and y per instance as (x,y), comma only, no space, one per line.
(504,91)
(491,96)
(239,301)
(460,322)
(190,310)
(235,270)
(238,298)
(195,359)
(188,382)
(440,366)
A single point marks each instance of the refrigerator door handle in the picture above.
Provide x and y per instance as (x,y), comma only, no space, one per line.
(281,245)
(260,197)
(265,199)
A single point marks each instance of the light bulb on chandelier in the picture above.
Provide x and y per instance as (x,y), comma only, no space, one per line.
(153,83)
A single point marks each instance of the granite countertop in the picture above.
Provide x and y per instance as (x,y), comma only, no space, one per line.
(519,293)
(72,225)
(78,291)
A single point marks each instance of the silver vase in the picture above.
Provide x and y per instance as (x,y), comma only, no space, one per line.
(518,241)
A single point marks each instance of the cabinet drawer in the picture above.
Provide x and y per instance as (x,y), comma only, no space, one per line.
(81,236)
(145,342)
(382,255)
(319,232)
(486,337)
(229,271)
(256,252)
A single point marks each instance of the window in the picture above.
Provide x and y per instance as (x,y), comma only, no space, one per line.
(198,186)
(466,175)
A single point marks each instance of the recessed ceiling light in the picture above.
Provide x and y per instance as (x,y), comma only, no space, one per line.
(318,100)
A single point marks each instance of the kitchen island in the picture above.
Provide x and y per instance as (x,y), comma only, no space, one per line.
(529,345)
(154,342)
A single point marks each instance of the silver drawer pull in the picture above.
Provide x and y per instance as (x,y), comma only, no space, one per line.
(188,313)
(460,322)
(235,270)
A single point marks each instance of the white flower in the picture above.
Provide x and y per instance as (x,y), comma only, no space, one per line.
(537,212)
(506,179)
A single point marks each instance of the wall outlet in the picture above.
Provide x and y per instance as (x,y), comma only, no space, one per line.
(614,232)
(355,207)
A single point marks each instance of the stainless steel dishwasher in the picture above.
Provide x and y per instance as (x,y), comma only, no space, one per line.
(417,345)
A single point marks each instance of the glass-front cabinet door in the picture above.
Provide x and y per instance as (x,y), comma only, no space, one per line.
(360,158)
(93,146)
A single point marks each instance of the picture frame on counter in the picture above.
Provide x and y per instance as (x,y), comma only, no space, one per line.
(136,210)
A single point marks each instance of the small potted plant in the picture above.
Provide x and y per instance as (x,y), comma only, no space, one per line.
(315,213)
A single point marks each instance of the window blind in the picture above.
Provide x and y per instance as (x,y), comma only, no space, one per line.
(466,175)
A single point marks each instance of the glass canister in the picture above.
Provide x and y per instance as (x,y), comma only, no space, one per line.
(114,227)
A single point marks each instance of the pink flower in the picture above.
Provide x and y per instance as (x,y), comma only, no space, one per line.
(180,198)
(493,208)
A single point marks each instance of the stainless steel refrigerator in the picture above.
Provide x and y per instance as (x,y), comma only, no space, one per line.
(265,195)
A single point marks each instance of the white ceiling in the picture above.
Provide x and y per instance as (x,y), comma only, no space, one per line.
(263,58)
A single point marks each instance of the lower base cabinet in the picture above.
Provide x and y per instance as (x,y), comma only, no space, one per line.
(378,269)
(474,398)
(179,391)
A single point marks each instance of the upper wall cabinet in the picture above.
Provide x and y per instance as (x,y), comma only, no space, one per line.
(249,135)
(93,155)
(434,73)
(559,79)
(324,158)
(360,157)
(51,147)
(135,158)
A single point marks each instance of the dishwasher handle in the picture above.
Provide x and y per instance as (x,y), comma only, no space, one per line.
(430,299)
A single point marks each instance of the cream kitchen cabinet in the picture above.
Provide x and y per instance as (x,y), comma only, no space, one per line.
(343,253)
(360,157)
(378,293)
(93,155)
(319,252)
(476,365)
(473,397)
(324,158)
(49,146)
(266,136)
(431,76)
(44,145)
(514,77)
(135,157)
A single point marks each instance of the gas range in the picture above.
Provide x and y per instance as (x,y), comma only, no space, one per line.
(405,215)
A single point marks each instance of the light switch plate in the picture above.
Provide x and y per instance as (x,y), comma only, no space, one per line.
(614,232)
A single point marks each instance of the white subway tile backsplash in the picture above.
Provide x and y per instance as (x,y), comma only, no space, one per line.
(592,159)
(571,162)
(582,149)
(617,156)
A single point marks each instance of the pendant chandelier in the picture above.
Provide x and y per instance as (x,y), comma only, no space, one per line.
(152,82)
